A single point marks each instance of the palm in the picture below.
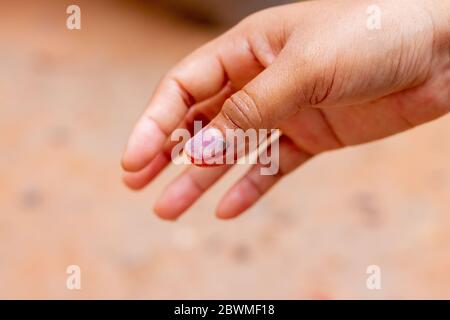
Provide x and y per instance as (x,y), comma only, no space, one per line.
(321,129)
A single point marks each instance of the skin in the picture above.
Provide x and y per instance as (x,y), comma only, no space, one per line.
(312,69)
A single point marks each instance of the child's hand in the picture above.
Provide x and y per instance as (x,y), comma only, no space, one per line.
(317,70)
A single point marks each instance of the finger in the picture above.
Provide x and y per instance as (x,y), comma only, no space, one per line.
(196,78)
(138,180)
(262,103)
(250,188)
(186,189)
(203,112)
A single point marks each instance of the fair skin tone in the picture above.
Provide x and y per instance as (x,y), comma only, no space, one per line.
(312,69)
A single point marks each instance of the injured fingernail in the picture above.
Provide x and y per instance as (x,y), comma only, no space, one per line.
(206,144)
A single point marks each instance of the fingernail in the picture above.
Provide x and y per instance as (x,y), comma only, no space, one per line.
(206,144)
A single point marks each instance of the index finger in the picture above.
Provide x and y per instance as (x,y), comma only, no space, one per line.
(196,78)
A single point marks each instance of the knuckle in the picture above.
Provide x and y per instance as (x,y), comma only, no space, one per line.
(319,91)
(322,74)
(321,85)
(242,110)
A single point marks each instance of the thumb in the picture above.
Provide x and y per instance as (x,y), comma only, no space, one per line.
(261,104)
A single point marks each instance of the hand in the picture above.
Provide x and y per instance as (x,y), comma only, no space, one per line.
(316,71)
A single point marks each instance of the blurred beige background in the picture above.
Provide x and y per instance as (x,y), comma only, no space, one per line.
(68,102)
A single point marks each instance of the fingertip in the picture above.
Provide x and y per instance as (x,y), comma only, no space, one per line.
(224,213)
(227,212)
(144,144)
(129,166)
(237,200)
(134,158)
(126,162)
(207,148)
(131,182)
(228,207)
(164,212)
(140,179)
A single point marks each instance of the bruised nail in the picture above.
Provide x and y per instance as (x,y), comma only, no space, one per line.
(207,144)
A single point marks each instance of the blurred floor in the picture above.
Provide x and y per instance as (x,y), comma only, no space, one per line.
(68,102)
